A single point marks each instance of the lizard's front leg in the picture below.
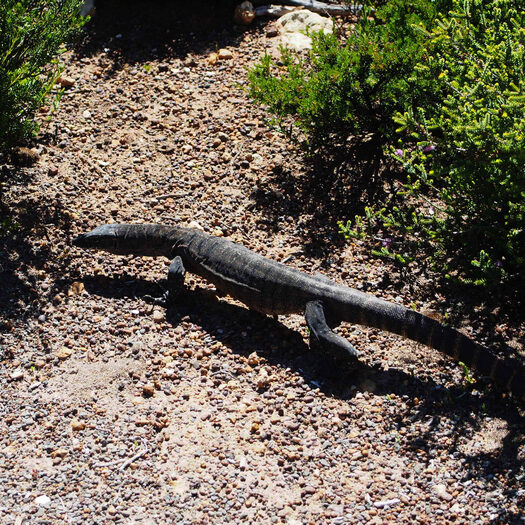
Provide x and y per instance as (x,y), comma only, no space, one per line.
(176,275)
(335,345)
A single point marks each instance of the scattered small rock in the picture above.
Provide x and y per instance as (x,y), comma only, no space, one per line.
(17,375)
(208,174)
(225,54)
(456,508)
(243,463)
(42,501)
(77,288)
(148,390)
(263,379)
(66,82)
(254,359)
(158,316)
(78,425)
(64,353)
(386,503)
(441,491)
(59,453)
(272,31)
(167,149)
(22,156)
(196,226)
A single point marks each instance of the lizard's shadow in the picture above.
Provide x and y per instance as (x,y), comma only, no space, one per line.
(244,332)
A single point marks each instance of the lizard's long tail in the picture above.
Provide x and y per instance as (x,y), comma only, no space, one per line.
(357,307)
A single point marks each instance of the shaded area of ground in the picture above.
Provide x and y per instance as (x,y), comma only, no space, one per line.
(132,31)
(25,248)
(282,347)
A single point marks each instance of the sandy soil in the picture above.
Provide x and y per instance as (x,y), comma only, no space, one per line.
(116,411)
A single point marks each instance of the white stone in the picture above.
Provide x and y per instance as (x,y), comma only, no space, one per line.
(195,226)
(297,41)
(224,54)
(386,503)
(293,27)
(17,375)
(42,501)
(456,508)
(158,316)
(441,491)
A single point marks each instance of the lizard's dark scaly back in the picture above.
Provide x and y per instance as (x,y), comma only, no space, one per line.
(273,288)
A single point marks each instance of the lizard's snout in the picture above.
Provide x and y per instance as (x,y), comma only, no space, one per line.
(79,240)
(88,240)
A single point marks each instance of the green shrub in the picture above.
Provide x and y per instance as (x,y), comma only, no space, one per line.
(443,85)
(353,87)
(470,148)
(32,35)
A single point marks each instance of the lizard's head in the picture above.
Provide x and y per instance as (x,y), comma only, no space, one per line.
(128,239)
(101,238)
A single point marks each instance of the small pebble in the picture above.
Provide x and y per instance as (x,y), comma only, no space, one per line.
(77,425)
(441,491)
(148,390)
(158,316)
(225,54)
(42,501)
(17,375)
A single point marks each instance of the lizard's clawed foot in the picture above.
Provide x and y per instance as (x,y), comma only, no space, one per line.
(322,336)
(166,300)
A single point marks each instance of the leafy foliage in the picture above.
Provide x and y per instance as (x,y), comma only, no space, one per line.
(340,89)
(32,34)
(442,83)
(470,148)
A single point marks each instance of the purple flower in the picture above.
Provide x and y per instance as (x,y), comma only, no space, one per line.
(386,242)
(429,148)
(499,264)
(399,152)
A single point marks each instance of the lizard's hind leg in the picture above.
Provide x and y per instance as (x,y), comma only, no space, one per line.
(321,334)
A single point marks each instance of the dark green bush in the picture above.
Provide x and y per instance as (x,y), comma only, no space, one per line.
(352,87)
(443,85)
(470,148)
(32,35)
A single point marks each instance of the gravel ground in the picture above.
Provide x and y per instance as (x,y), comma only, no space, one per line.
(115,411)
